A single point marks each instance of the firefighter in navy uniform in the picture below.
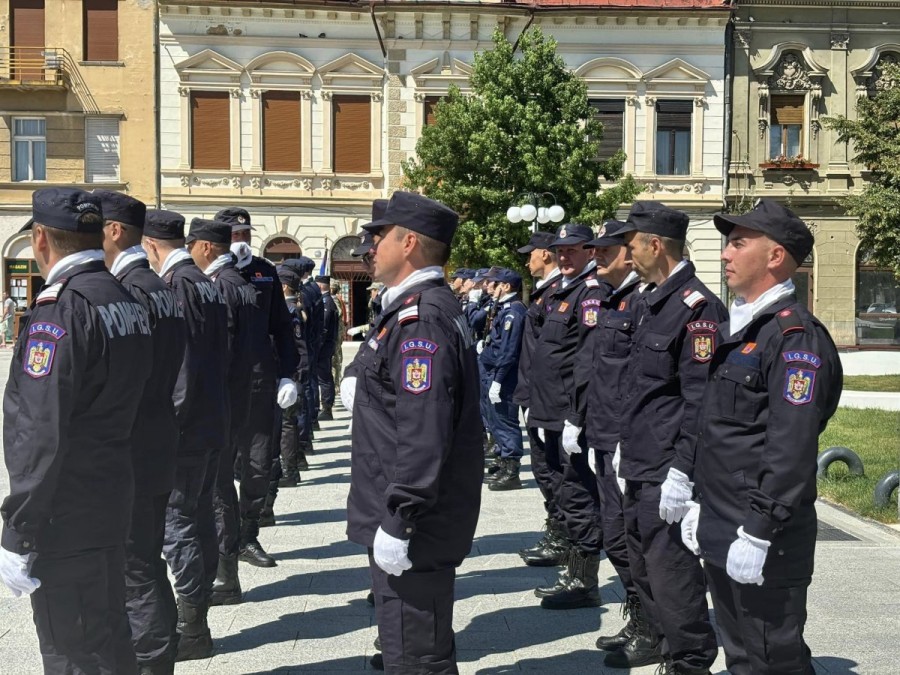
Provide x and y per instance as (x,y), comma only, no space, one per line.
(774,382)
(148,594)
(75,385)
(201,408)
(274,364)
(331,319)
(675,337)
(208,243)
(555,418)
(553,546)
(500,371)
(415,489)
(607,347)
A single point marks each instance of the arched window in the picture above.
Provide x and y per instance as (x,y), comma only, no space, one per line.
(282,248)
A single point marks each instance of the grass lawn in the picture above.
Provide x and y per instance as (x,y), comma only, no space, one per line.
(874,435)
(872,382)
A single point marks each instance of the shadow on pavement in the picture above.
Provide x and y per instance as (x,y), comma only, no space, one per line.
(311,517)
(337,549)
(346,664)
(320,582)
(835,665)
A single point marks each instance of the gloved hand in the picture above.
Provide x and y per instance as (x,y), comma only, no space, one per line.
(689,528)
(746,558)
(592,459)
(540,434)
(479,346)
(570,436)
(617,458)
(348,392)
(674,495)
(525,416)
(243,253)
(391,554)
(287,393)
(475,295)
(494,393)
(15,570)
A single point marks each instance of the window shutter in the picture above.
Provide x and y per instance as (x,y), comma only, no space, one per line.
(611,114)
(102,152)
(210,130)
(27,18)
(281,130)
(787,109)
(101,30)
(352,134)
(674,114)
(429,105)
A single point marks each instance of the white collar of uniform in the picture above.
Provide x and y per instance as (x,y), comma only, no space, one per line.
(550,277)
(677,267)
(506,298)
(175,257)
(632,275)
(218,264)
(126,257)
(70,261)
(243,253)
(587,268)
(417,277)
(743,312)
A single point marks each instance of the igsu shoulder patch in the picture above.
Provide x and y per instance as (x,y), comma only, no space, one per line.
(799,384)
(807,358)
(703,340)
(39,357)
(413,344)
(590,312)
(51,329)
(417,374)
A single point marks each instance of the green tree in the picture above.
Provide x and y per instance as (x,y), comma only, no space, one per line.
(525,128)
(875,136)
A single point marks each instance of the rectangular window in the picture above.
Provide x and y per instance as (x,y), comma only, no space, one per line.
(281,130)
(786,126)
(210,130)
(101,30)
(102,149)
(610,113)
(352,134)
(429,105)
(673,137)
(26,19)
(29,149)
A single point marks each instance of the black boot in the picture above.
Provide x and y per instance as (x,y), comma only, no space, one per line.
(251,550)
(377,662)
(561,581)
(549,525)
(290,476)
(642,649)
(227,586)
(370,599)
(160,668)
(302,463)
(194,639)
(582,589)
(551,550)
(508,479)
(493,466)
(267,515)
(326,415)
(611,642)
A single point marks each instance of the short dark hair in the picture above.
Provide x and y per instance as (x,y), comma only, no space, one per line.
(67,242)
(435,252)
(132,234)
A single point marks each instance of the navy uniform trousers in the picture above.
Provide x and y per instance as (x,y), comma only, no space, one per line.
(547,470)
(613,518)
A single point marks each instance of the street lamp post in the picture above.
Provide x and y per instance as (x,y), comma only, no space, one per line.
(531,212)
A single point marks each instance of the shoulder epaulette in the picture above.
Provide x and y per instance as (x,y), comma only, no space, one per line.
(592,283)
(410,310)
(788,321)
(50,294)
(693,298)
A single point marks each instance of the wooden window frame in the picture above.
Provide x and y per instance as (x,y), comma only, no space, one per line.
(608,103)
(191,155)
(31,140)
(773,112)
(673,129)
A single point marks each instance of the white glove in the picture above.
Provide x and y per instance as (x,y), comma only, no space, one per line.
(617,458)
(494,393)
(570,436)
(475,295)
(746,558)
(287,393)
(674,495)
(479,346)
(592,459)
(15,570)
(391,554)
(525,415)
(540,434)
(689,528)
(348,392)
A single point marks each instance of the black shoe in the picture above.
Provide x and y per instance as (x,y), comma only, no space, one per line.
(267,518)
(226,588)
(326,415)
(582,588)
(316,426)
(508,478)
(610,643)
(640,650)
(289,479)
(302,463)
(668,667)
(377,662)
(194,639)
(554,552)
(370,599)
(162,668)
(493,465)
(377,643)
(253,553)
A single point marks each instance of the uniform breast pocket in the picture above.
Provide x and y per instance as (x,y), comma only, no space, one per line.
(656,359)
(615,339)
(739,394)
(370,379)
(556,327)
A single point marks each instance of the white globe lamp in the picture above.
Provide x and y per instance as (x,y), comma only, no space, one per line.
(529,212)
(514,214)
(556,213)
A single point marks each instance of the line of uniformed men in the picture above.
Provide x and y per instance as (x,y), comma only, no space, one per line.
(153,368)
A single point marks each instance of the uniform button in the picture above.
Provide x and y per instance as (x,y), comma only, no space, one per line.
(409,530)
(25,544)
(747,379)
(780,551)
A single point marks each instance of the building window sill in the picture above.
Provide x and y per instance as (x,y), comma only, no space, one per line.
(787,166)
(105,64)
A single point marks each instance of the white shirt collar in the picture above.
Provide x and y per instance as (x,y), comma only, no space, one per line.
(742,313)
(65,264)
(506,298)
(677,267)
(126,257)
(417,277)
(218,264)
(550,277)
(175,257)
(632,275)
(587,268)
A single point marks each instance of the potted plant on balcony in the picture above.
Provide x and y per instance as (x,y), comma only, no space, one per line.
(785,163)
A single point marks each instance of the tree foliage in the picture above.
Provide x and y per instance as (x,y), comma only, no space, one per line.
(526,127)
(875,136)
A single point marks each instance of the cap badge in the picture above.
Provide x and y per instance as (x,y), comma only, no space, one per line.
(563,234)
(241,220)
(602,232)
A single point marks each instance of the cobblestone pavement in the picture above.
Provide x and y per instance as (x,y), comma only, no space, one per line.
(309,614)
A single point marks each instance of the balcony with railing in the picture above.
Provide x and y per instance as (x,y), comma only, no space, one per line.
(30,68)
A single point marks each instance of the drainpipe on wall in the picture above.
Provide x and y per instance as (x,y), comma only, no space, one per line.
(156,105)
(377,30)
(527,26)
(726,146)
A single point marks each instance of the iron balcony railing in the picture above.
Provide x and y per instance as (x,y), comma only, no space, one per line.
(33,66)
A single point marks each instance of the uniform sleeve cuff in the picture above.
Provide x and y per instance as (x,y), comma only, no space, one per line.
(757,525)
(575,420)
(683,468)
(16,542)
(397,527)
